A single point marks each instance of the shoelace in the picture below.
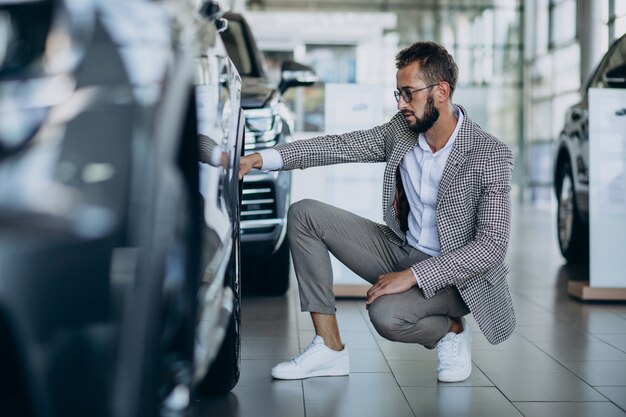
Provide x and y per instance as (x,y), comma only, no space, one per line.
(301,355)
(448,350)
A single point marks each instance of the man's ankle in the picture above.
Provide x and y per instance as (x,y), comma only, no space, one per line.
(337,346)
(456,326)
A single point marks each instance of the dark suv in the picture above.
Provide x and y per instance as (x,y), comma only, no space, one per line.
(571,173)
(266,195)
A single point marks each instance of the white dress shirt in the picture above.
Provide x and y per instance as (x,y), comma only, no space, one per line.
(421,171)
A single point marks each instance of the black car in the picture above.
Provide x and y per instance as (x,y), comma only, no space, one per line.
(571,168)
(266,195)
(119,245)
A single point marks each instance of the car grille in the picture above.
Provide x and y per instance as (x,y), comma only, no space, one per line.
(254,142)
(258,207)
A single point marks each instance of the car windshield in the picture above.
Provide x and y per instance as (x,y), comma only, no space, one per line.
(238,49)
(613,61)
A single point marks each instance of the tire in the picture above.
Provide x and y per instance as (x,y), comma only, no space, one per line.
(156,330)
(572,232)
(155,356)
(267,275)
(224,373)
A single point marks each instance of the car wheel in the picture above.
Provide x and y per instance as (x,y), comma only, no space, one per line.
(267,276)
(224,373)
(572,232)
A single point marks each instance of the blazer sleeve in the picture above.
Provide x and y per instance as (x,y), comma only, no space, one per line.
(493,228)
(360,146)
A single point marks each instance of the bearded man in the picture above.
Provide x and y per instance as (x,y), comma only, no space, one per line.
(447,211)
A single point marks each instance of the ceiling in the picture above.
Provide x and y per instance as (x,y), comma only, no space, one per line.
(416,19)
(382,5)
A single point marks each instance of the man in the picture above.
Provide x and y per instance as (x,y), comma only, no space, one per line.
(440,256)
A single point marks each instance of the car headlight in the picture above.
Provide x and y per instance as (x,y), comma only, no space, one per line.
(262,128)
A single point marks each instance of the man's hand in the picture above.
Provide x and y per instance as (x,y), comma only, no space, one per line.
(393,283)
(248,162)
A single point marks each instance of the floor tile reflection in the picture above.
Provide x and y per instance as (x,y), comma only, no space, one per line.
(565,358)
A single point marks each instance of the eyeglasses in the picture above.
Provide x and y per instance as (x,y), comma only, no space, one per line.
(407,95)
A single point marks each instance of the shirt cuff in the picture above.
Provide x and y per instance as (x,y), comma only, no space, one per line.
(272,161)
(419,284)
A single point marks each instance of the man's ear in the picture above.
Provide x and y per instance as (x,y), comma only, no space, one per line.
(443,91)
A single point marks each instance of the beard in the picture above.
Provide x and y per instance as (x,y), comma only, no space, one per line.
(431,114)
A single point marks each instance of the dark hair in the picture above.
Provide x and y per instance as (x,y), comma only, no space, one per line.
(436,64)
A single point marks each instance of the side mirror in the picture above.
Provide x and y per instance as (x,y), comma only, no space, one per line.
(294,74)
(211,9)
(616,77)
(221,24)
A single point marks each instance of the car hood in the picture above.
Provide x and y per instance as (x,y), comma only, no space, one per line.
(256,92)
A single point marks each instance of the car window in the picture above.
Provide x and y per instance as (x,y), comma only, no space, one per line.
(615,59)
(237,48)
(619,55)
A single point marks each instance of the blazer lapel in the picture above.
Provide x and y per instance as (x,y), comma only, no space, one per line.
(404,143)
(455,160)
(462,145)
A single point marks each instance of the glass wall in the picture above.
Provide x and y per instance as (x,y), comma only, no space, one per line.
(562,45)
(484,36)
(521,63)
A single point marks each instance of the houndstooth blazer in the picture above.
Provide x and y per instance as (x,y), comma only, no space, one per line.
(473,211)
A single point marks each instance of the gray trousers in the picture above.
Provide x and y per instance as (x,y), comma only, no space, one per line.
(316,228)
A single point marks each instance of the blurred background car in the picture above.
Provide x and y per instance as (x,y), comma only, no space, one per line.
(119,243)
(266,195)
(571,168)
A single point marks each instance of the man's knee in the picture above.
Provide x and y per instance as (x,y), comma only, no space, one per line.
(299,209)
(390,320)
(384,318)
(300,213)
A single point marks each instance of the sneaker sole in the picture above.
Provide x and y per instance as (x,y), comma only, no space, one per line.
(297,375)
(454,377)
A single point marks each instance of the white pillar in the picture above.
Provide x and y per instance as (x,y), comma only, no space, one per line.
(590,33)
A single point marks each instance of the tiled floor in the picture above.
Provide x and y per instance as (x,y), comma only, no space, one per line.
(566,358)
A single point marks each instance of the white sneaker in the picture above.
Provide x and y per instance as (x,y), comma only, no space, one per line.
(455,355)
(316,360)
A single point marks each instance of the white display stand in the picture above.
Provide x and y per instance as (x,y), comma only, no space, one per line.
(607,197)
(357,188)
(353,187)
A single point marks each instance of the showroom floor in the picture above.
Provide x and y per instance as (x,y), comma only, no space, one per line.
(566,358)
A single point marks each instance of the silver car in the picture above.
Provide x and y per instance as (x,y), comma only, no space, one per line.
(119,231)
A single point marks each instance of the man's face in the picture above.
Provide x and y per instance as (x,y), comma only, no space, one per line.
(420,112)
